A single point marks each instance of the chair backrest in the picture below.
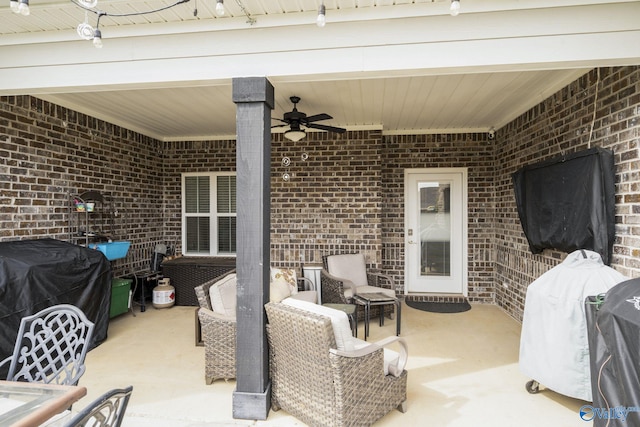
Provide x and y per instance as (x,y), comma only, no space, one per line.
(301,373)
(348,266)
(106,411)
(315,382)
(159,252)
(312,336)
(203,292)
(51,346)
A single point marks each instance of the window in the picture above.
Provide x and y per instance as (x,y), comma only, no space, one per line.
(209,214)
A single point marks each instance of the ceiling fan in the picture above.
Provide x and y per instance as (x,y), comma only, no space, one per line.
(297,120)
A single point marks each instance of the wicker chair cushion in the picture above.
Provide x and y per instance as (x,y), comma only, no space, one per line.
(281,291)
(285,276)
(348,290)
(309,296)
(339,321)
(223,296)
(348,266)
(342,331)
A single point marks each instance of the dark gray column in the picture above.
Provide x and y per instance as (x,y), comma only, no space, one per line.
(254,101)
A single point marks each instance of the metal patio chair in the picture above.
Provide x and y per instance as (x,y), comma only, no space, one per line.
(106,411)
(51,346)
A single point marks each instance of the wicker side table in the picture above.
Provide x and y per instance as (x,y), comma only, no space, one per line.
(377,298)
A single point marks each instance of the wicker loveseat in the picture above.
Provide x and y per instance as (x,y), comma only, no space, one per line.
(326,384)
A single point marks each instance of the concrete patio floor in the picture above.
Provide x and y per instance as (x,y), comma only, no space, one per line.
(463,371)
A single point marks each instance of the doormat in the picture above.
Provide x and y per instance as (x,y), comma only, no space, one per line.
(440,307)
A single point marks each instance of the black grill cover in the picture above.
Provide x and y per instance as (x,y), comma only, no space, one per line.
(568,203)
(35,274)
(614,350)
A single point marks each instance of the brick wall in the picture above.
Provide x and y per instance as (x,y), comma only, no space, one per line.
(332,201)
(607,99)
(191,156)
(342,197)
(347,195)
(48,152)
(473,151)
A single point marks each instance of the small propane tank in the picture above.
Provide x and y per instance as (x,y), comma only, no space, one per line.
(164,295)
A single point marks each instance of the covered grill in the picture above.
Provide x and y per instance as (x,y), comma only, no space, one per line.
(554,347)
(614,345)
(35,274)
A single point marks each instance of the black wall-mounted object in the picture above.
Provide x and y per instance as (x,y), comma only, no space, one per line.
(568,203)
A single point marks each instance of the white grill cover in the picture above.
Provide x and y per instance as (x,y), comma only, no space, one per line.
(554,348)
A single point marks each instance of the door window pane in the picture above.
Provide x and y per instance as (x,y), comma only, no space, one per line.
(435,228)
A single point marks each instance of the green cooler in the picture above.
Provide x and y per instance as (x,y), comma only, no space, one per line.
(120,289)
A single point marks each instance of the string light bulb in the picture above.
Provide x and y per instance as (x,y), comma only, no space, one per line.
(97,39)
(23,8)
(88,3)
(322,19)
(455,7)
(220,7)
(85,30)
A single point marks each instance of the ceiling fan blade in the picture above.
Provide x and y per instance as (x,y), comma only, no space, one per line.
(317,117)
(327,128)
(279,126)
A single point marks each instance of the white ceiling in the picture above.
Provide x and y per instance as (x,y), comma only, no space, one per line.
(399,66)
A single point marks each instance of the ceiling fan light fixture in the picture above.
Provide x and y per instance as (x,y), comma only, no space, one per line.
(294,135)
(13,5)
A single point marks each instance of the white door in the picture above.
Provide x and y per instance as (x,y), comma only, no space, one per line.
(436,231)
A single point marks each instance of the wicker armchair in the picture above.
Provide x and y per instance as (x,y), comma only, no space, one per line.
(218,327)
(217,300)
(344,275)
(323,386)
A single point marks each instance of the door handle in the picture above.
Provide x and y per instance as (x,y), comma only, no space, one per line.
(411,242)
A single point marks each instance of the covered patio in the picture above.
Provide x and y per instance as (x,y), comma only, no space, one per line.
(463,370)
(489,91)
